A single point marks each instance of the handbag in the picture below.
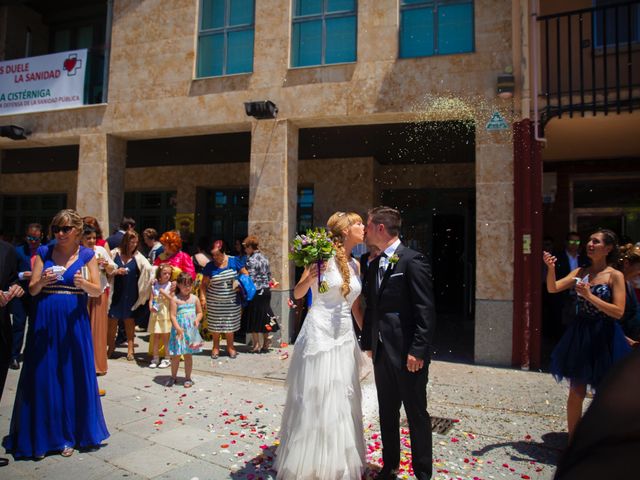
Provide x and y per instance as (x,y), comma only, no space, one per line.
(247,289)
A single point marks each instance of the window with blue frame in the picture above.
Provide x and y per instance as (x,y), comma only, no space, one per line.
(225,37)
(435,27)
(324,32)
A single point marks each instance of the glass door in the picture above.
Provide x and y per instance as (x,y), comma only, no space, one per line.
(18,211)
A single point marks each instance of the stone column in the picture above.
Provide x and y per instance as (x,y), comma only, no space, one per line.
(101,166)
(494,247)
(273,192)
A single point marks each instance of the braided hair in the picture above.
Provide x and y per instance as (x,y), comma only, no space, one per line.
(337,224)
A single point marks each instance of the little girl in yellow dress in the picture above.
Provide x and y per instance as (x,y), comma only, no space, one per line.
(160,318)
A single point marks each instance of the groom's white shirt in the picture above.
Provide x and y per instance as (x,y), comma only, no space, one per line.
(388,252)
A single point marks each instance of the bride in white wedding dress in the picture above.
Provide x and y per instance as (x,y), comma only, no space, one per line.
(321,435)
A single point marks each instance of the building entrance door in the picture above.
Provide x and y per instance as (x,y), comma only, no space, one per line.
(441,224)
(18,211)
(226,213)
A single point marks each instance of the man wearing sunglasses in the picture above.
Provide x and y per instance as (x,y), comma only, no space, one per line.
(564,310)
(19,307)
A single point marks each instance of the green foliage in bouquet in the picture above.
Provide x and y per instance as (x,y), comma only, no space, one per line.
(314,247)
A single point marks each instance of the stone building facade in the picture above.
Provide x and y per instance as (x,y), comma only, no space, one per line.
(451,172)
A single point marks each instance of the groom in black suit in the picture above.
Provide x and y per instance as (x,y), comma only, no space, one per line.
(398,329)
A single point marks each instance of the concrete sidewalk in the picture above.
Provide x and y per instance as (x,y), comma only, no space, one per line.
(507,423)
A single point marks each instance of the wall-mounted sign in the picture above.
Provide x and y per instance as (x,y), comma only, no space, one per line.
(497,122)
(47,82)
(185,222)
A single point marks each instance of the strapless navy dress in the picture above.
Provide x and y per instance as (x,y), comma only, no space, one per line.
(591,345)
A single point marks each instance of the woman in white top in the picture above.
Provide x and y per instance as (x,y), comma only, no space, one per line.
(98,305)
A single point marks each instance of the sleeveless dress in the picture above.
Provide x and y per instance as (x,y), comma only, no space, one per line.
(592,343)
(191,342)
(321,435)
(223,310)
(125,290)
(57,403)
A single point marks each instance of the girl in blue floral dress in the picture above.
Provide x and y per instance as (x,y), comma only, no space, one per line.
(186,313)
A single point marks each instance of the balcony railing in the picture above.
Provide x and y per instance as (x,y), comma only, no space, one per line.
(591,60)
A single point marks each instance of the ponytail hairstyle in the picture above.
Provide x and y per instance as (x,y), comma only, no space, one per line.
(611,239)
(629,254)
(337,224)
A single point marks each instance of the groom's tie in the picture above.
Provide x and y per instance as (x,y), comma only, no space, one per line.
(381,269)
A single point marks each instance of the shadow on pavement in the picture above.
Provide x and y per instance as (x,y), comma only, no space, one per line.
(546,452)
(259,467)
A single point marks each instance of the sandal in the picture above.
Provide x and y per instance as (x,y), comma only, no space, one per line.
(171,382)
(233,354)
(214,356)
(130,357)
(67,452)
(266,347)
(188,383)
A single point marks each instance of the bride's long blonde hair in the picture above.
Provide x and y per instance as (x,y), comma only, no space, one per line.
(337,224)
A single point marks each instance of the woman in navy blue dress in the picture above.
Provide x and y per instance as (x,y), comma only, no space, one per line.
(594,341)
(57,405)
(131,282)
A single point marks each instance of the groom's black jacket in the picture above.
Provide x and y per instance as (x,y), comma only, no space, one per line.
(401,310)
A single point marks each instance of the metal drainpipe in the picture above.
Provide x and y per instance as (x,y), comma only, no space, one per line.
(107,51)
(535,61)
(524,60)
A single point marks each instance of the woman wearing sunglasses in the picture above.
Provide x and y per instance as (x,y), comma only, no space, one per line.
(57,405)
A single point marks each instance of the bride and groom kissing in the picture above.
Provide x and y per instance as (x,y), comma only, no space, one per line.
(321,435)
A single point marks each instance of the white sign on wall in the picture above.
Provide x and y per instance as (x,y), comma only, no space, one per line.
(47,82)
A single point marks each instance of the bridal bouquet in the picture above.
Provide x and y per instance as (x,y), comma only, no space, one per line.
(313,247)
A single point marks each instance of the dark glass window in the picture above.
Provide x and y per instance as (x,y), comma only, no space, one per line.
(74,30)
(227,214)
(225,39)
(305,209)
(618,23)
(18,211)
(606,193)
(435,27)
(151,210)
(324,32)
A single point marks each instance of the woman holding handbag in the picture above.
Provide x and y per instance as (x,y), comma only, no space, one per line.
(258,316)
(219,291)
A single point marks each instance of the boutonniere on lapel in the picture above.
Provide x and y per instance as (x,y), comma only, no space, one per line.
(393,259)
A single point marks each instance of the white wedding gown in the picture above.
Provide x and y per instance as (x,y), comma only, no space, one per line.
(321,436)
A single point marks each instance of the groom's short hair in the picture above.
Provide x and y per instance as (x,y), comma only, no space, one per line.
(387,216)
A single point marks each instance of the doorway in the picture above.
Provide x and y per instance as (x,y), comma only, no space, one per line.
(18,211)
(226,213)
(441,224)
